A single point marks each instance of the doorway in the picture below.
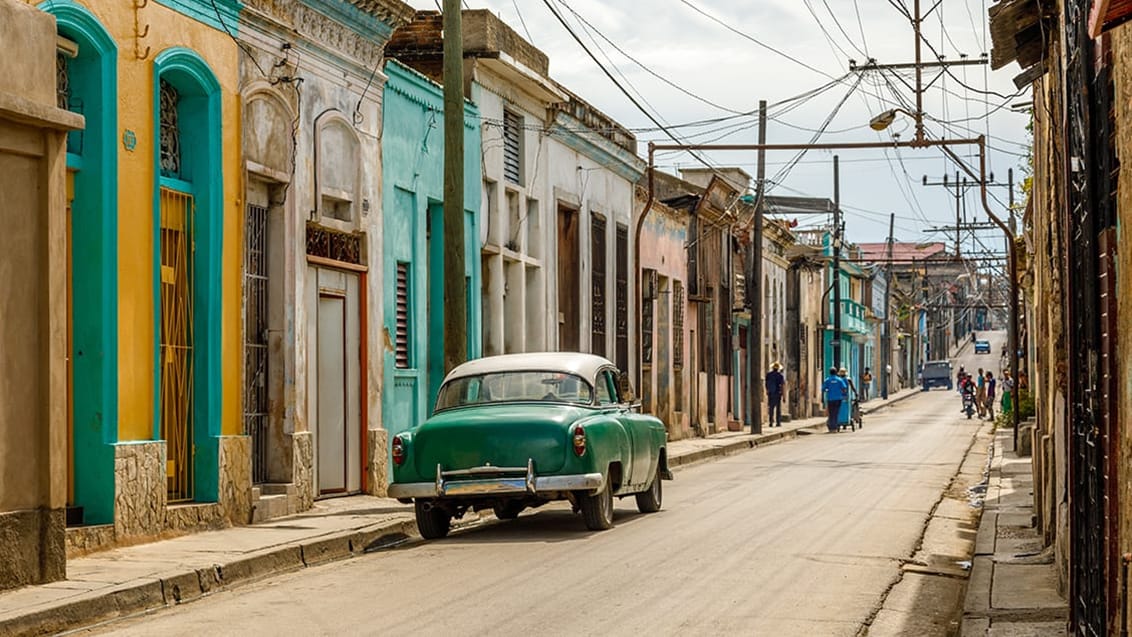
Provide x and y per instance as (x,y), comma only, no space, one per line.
(334,379)
(569,280)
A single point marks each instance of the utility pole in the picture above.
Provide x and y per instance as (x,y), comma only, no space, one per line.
(959,194)
(455,283)
(836,344)
(755,288)
(886,340)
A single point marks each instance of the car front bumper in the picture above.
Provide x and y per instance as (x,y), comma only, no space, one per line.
(496,481)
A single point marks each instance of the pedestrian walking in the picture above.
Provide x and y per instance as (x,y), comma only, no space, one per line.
(981,393)
(775,384)
(866,385)
(834,389)
(990,384)
(1007,392)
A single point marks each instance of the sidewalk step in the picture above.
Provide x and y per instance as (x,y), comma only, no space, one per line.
(269,507)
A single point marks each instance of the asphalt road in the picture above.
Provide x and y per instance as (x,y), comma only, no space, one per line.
(801,538)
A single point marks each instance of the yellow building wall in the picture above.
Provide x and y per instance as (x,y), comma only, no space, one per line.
(136,306)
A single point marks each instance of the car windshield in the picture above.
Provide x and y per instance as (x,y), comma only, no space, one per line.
(507,387)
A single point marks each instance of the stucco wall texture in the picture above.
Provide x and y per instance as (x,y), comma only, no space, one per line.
(33,293)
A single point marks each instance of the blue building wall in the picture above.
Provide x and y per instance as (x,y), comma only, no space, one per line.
(412,204)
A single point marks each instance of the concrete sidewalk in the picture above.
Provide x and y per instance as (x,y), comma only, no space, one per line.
(1013,586)
(135,579)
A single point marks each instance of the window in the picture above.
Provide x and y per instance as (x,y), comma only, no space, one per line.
(646,326)
(507,387)
(401,348)
(597,283)
(170,132)
(512,147)
(604,389)
(338,160)
(677,324)
(621,312)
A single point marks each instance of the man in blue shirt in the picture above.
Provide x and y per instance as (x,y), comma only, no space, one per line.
(775,382)
(835,388)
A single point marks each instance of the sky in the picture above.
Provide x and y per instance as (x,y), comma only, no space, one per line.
(709,59)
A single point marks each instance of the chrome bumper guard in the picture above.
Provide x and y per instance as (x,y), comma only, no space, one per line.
(501,481)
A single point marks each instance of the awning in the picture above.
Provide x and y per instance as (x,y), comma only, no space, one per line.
(1020,31)
(1106,14)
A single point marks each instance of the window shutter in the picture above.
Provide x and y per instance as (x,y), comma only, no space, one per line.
(512,129)
(401,352)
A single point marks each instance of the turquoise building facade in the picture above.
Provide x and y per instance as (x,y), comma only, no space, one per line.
(414,251)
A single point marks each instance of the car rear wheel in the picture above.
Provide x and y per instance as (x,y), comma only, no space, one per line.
(597,509)
(508,510)
(649,501)
(433,522)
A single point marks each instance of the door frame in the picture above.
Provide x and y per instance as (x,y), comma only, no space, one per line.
(362,272)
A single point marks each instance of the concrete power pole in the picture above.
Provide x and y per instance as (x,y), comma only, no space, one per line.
(455,283)
(886,340)
(836,344)
(755,287)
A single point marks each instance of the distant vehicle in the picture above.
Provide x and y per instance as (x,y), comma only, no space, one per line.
(982,347)
(520,430)
(937,374)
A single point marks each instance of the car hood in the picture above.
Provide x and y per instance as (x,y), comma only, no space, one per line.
(500,435)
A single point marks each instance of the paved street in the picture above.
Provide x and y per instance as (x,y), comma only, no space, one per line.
(802,538)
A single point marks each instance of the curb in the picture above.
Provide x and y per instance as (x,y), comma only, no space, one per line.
(765,439)
(153,594)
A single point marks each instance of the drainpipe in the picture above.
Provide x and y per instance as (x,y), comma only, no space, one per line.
(637,261)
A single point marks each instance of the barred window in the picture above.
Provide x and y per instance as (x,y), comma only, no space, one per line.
(597,283)
(678,324)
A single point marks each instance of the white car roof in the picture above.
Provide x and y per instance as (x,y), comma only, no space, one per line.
(584,365)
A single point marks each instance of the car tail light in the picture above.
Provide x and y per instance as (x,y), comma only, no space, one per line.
(398,451)
(579,441)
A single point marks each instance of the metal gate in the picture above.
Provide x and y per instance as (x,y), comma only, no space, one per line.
(1091,217)
(255,338)
(176,363)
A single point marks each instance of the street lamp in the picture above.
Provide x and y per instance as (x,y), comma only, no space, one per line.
(885,119)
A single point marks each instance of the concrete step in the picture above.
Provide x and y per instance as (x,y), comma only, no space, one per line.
(270,507)
(276,488)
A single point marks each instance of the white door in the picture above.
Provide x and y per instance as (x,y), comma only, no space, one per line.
(334,376)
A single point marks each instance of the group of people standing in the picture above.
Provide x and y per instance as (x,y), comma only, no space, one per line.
(984,387)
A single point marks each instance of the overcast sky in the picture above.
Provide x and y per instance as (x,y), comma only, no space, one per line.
(723,66)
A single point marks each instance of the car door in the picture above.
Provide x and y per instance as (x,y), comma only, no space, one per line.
(642,455)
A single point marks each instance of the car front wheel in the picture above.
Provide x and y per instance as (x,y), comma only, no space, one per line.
(649,501)
(432,521)
(597,509)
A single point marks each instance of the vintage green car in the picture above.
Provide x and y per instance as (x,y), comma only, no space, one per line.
(520,430)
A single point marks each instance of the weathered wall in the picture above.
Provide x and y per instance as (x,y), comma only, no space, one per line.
(1044,296)
(1122,66)
(664,232)
(33,293)
(140,495)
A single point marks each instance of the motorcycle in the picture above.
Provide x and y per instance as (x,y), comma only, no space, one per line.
(968,404)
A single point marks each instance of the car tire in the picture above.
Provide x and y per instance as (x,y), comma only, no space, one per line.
(432,522)
(649,500)
(597,509)
(508,510)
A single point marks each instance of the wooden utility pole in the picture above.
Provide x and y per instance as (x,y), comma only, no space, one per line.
(886,340)
(755,287)
(835,344)
(455,283)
